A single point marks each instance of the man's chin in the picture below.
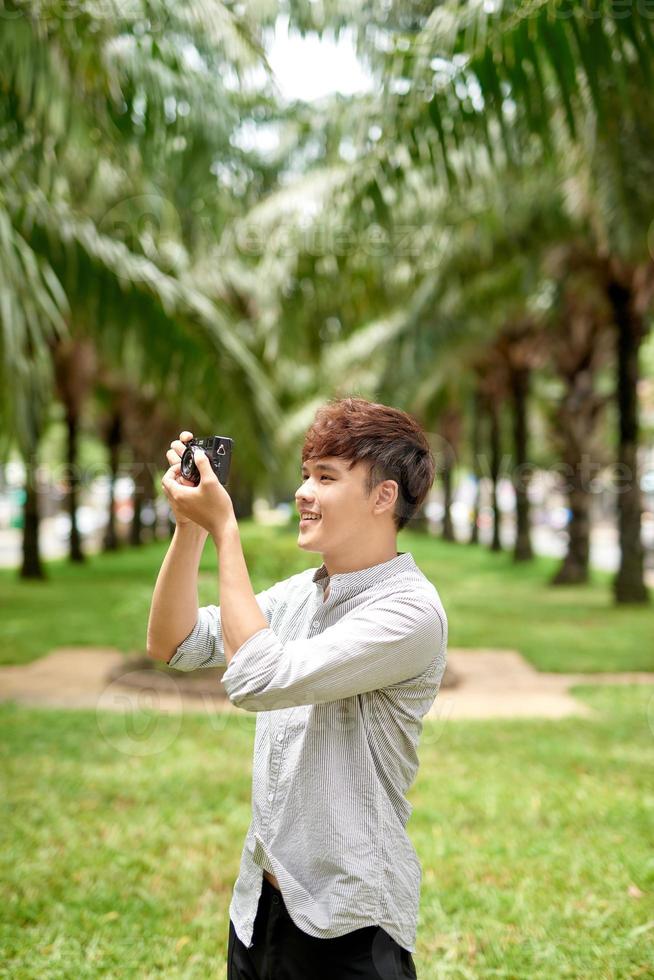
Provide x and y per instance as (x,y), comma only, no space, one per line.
(307,543)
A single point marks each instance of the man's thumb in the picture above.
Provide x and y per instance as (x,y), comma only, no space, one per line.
(200,459)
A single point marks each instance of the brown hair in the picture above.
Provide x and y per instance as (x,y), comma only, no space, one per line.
(389,439)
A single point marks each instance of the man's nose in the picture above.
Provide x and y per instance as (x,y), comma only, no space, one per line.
(304,492)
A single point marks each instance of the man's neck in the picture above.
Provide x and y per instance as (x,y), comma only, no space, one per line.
(342,565)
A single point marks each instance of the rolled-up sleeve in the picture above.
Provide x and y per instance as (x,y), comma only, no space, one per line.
(204,646)
(390,641)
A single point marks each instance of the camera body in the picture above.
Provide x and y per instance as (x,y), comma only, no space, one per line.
(219,453)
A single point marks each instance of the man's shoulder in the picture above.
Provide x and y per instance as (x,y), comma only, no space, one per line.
(410,591)
(411,581)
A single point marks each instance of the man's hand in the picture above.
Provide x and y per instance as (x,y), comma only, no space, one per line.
(208,505)
(174,457)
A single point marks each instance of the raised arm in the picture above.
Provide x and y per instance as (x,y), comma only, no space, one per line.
(388,642)
(205,644)
(174,608)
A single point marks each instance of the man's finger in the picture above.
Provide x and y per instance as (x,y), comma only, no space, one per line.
(178,447)
(168,479)
(202,463)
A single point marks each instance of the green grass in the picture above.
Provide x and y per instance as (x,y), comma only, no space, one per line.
(489,602)
(121,838)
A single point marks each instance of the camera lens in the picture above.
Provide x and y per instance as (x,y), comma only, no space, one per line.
(187,463)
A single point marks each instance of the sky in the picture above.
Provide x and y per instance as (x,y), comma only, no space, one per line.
(310,67)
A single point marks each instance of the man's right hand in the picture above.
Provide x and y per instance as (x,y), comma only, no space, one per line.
(174,457)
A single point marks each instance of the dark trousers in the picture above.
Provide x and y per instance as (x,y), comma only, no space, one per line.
(281,951)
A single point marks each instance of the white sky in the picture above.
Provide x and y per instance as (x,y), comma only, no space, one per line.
(309,67)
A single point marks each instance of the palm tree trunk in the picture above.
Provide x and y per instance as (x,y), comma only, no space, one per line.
(138,499)
(576,418)
(75,552)
(448,527)
(32,567)
(629,582)
(476,469)
(574,569)
(519,381)
(113,441)
(495,463)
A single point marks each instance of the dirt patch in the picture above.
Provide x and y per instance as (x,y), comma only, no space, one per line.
(478,684)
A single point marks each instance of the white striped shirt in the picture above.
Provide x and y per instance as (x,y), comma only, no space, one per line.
(340,686)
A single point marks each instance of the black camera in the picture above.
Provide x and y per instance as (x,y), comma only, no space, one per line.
(219,454)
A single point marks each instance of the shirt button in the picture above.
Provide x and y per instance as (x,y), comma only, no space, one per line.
(270,797)
(280,737)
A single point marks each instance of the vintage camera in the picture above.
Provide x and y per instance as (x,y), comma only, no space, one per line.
(219,454)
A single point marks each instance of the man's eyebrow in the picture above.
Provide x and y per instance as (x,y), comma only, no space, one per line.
(323,466)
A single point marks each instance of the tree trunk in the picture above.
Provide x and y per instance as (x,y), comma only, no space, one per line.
(495,463)
(148,498)
(577,417)
(242,493)
(629,583)
(32,567)
(477,413)
(574,569)
(138,499)
(113,441)
(75,551)
(519,380)
(448,527)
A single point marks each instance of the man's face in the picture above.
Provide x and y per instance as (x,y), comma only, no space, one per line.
(337,496)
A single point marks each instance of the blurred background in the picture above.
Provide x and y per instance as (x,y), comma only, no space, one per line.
(217,215)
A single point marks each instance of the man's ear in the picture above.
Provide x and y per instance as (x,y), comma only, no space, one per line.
(386,494)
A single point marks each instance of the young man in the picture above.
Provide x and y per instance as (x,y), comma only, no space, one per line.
(340,663)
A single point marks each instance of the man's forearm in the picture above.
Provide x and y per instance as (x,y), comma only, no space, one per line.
(240,615)
(174,608)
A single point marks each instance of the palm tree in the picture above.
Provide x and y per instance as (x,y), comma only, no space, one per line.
(566,81)
(579,342)
(521,345)
(65,254)
(75,366)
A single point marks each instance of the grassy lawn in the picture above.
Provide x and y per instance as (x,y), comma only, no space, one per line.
(489,602)
(121,838)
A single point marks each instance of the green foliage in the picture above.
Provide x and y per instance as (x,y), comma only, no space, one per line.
(112,119)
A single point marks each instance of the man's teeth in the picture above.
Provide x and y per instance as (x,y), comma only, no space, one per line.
(310,517)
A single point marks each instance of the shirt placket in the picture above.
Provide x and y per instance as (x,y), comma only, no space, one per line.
(277,749)
(274,767)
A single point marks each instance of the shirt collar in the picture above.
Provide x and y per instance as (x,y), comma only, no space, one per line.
(363,578)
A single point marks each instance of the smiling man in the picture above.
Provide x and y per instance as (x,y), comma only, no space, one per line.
(340,663)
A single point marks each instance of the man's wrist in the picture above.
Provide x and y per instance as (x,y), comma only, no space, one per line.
(189,529)
(222,532)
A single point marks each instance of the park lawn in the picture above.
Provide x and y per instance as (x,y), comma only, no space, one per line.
(490,602)
(121,839)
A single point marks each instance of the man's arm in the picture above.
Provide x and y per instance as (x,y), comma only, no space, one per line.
(197,634)
(174,608)
(241,616)
(393,640)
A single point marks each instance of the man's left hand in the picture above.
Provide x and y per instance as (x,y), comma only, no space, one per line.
(208,504)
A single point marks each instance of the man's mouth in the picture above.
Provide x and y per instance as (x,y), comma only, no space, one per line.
(307,521)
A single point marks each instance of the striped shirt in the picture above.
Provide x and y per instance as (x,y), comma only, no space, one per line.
(340,686)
